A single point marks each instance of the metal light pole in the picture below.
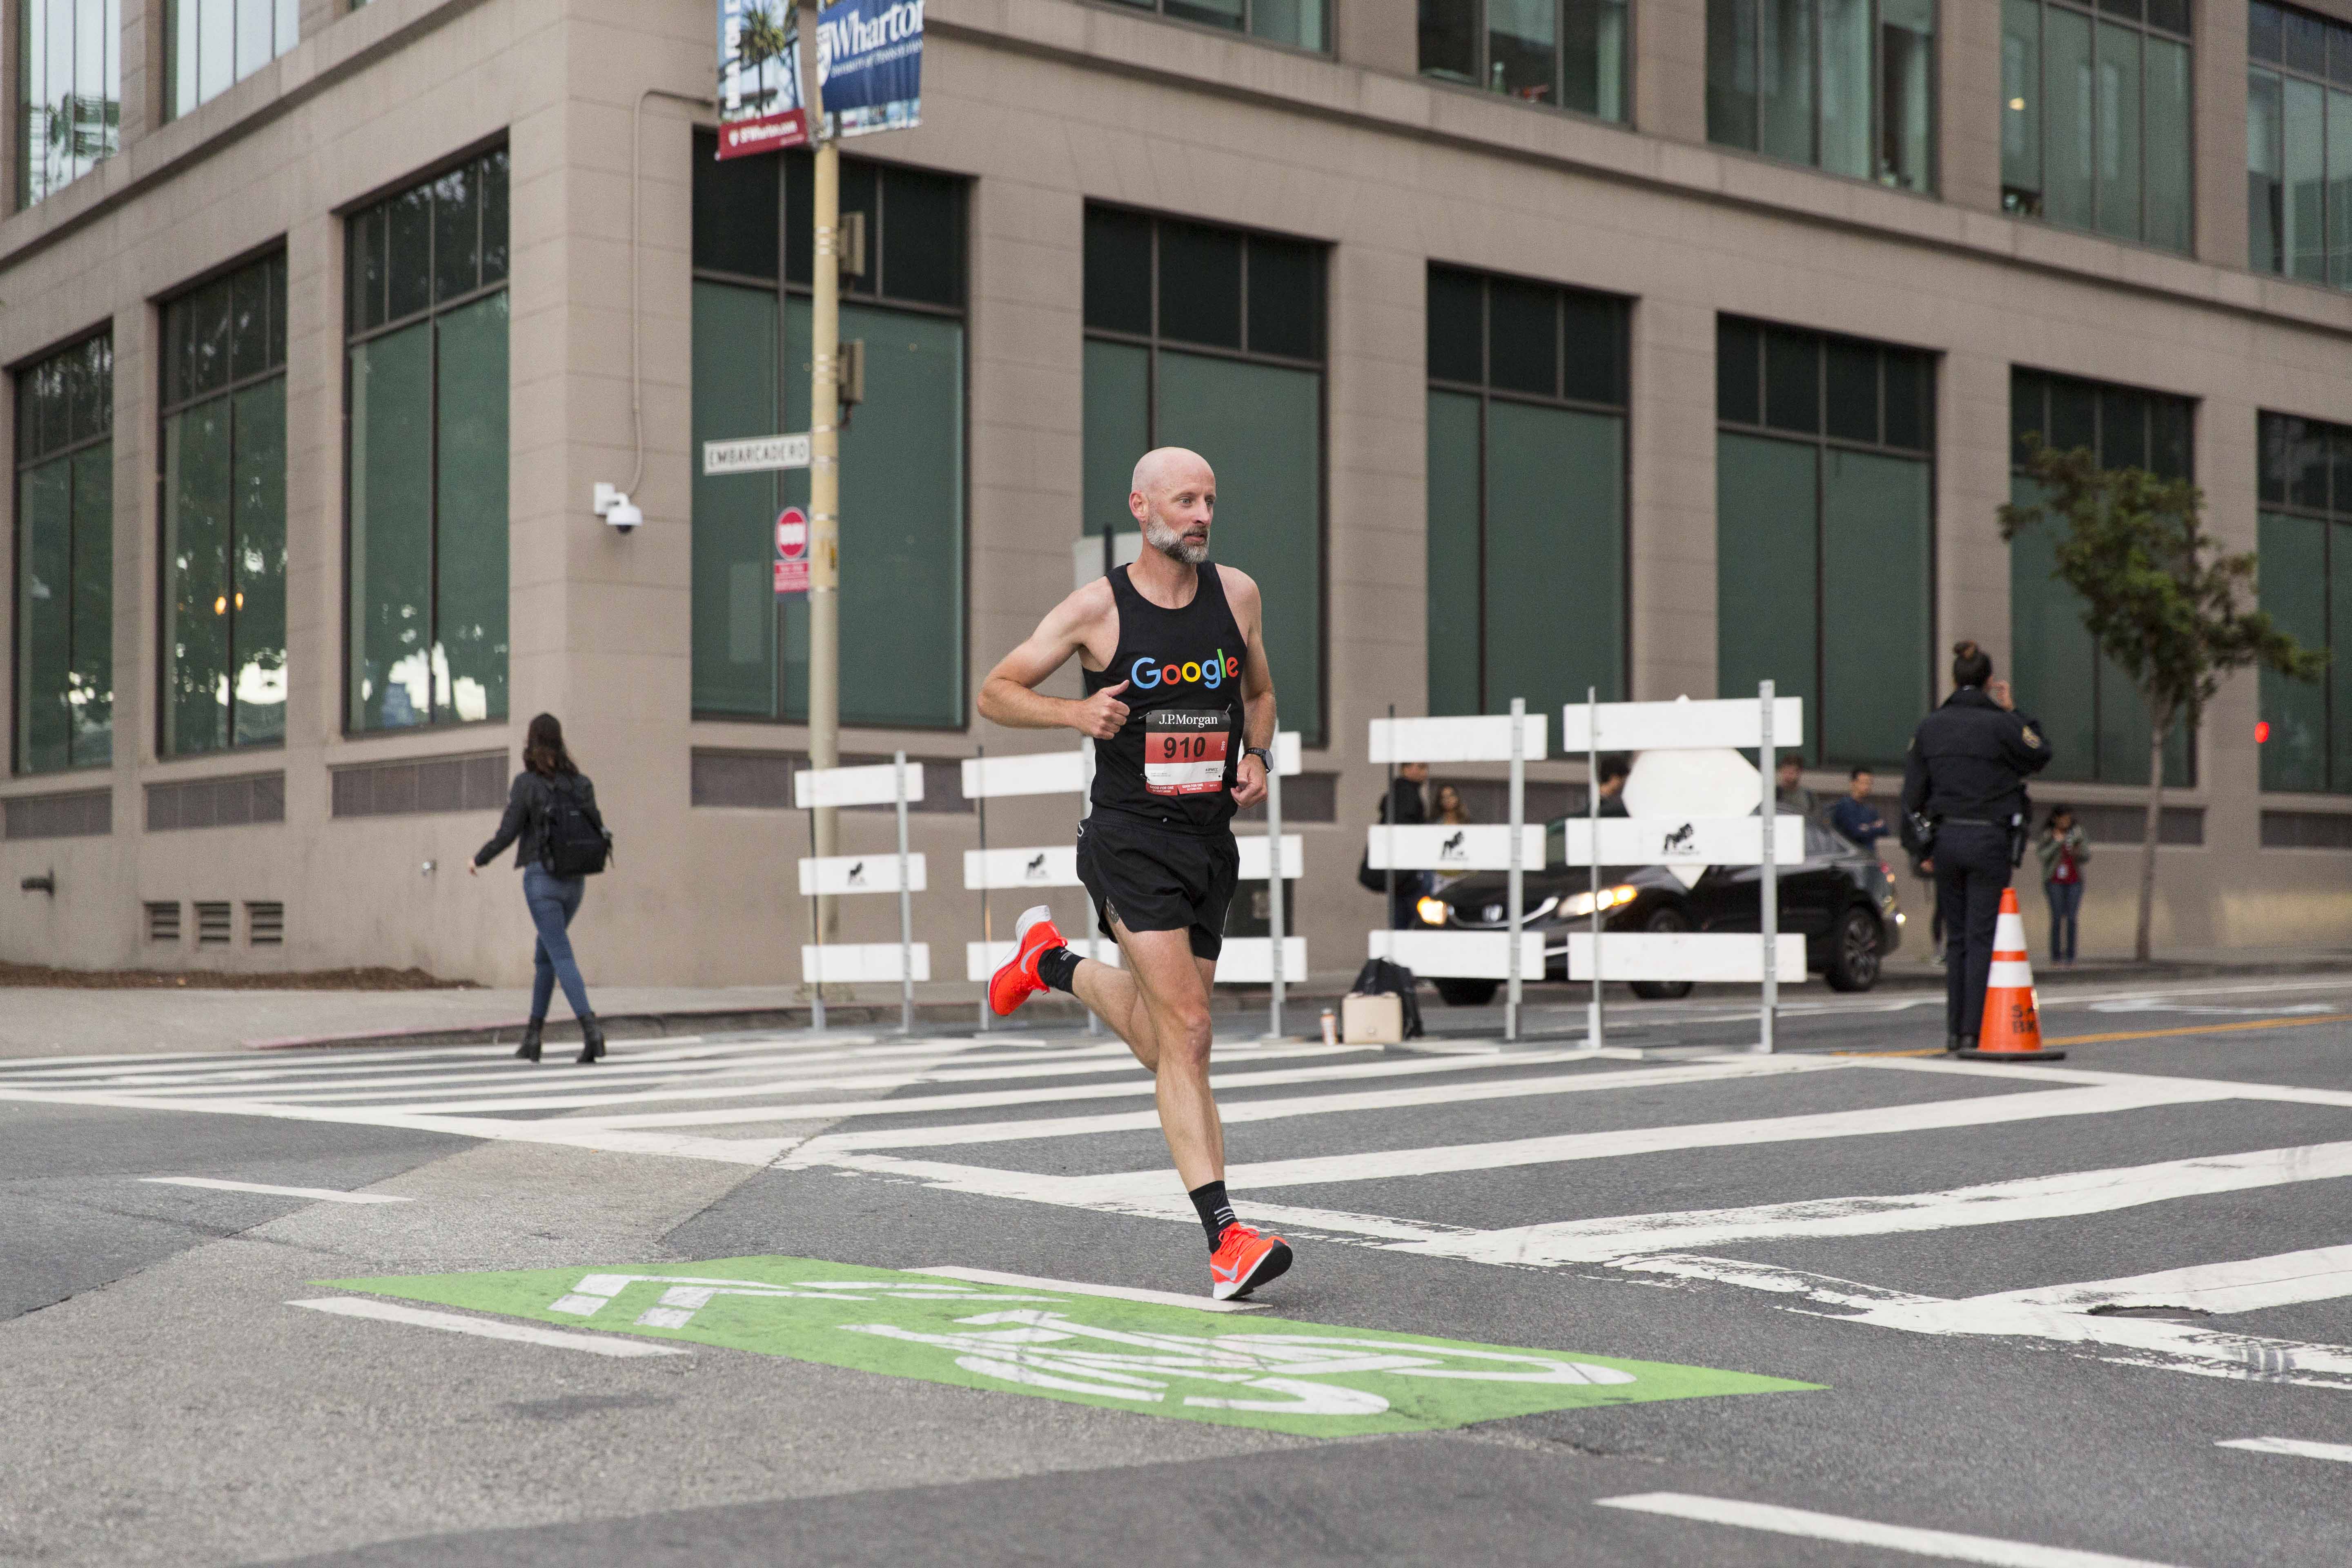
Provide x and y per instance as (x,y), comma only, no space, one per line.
(825,463)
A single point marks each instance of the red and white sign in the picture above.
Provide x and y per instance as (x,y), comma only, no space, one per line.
(792,551)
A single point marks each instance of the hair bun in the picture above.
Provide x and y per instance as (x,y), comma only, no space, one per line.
(1964,649)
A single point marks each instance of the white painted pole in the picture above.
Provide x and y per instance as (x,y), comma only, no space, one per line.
(1086,809)
(1519,815)
(906,914)
(987,929)
(1273,886)
(1767,890)
(1592,808)
(816,928)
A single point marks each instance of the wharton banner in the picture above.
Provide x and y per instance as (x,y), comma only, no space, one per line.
(869,65)
(760,104)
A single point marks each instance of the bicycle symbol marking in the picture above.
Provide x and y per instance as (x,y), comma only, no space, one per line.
(688,1294)
(1046,1350)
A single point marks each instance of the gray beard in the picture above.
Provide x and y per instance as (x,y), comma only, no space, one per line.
(1171,543)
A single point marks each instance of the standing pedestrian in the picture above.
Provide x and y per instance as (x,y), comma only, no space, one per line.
(1615,767)
(1179,704)
(1796,800)
(560,841)
(2064,848)
(1964,778)
(1854,816)
(1406,808)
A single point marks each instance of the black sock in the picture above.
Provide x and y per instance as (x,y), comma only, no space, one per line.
(1215,1212)
(1057,966)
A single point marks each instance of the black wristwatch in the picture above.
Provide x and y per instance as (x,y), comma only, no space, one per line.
(1263,755)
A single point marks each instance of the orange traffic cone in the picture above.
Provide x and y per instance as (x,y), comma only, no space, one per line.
(2011,1030)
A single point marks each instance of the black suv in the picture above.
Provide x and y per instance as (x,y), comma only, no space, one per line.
(1841,900)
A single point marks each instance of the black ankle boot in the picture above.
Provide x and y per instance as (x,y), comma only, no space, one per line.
(592,1039)
(529,1050)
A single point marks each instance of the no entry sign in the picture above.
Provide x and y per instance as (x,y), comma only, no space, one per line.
(792,551)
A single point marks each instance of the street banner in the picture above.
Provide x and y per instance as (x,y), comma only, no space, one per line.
(869,65)
(760,108)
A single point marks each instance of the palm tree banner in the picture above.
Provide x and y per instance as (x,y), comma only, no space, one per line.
(760,108)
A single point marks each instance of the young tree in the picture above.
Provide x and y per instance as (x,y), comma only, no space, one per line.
(2159,598)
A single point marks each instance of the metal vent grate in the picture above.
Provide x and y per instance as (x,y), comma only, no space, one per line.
(264,924)
(163,922)
(211,924)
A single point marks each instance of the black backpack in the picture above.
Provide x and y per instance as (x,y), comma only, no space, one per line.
(1380,977)
(575,844)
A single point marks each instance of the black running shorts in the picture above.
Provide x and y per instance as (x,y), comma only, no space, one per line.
(1146,877)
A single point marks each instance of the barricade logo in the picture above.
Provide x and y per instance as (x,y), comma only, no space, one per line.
(1680,838)
(1148,671)
(1035,870)
(1452,849)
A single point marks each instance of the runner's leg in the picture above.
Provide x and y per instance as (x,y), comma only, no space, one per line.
(1172,1004)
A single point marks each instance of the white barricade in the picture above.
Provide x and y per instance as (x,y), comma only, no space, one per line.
(1249,960)
(1484,847)
(848,963)
(874,786)
(1049,866)
(1707,956)
(861,874)
(1458,954)
(1735,723)
(1257,858)
(982,959)
(1683,840)
(1031,773)
(1480,738)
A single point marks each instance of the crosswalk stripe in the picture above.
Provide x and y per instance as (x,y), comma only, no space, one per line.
(2070,1193)
(2245,1285)
(2297,1448)
(817,1148)
(1949,1545)
(488,1328)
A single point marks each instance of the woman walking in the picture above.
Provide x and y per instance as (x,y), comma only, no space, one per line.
(551,809)
(2065,848)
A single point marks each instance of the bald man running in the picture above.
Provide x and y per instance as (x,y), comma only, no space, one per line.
(1180,703)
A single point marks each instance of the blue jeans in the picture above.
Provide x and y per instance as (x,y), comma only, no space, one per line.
(2065,904)
(554,901)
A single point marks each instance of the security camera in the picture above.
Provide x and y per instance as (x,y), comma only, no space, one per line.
(615,507)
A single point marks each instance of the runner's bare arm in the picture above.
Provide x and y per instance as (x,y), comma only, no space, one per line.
(1009,696)
(1257,685)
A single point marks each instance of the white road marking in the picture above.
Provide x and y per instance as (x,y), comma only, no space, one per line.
(818,1149)
(385,1311)
(1949,1545)
(324,1195)
(2245,1285)
(1505,1154)
(2157,1004)
(1992,1203)
(2295,1447)
(1076,1288)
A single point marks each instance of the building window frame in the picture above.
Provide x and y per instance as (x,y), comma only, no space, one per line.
(2277,435)
(2290,54)
(790,281)
(90,126)
(1485,72)
(1765,426)
(2152,437)
(1731,18)
(221,28)
(1487,394)
(99,344)
(271,265)
(2035,102)
(358,332)
(1156,340)
(1243,26)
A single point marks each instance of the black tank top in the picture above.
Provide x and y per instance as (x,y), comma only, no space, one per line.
(1174,761)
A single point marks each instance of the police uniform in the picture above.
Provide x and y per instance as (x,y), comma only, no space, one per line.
(1966,768)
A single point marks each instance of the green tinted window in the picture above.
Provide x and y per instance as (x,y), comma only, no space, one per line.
(2096,116)
(1846,85)
(1569,54)
(1527,494)
(1222,353)
(427,428)
(2306,580)
(224,496)
(2096,724)
(902,450)
(2299,145)
(68,92)
(64,560)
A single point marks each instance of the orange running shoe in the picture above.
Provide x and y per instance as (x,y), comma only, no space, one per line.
(1244,1260)
(1017,981)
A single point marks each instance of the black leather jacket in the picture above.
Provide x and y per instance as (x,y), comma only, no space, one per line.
(525,823)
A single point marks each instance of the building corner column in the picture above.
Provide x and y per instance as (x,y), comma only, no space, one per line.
(1670,68)
(2218,130)
(1969,105)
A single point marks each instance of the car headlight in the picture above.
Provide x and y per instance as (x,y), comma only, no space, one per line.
(1607,899)
(1432,911)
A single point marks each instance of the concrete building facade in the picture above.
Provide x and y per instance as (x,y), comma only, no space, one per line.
(327,822)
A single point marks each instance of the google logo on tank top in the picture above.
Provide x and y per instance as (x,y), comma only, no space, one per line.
(1212,672)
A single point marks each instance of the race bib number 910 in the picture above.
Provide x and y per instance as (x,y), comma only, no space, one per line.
(1184,750)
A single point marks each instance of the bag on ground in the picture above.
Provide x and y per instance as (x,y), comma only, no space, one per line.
(1380,977)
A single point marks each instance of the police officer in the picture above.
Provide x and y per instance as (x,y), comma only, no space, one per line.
(1964,779)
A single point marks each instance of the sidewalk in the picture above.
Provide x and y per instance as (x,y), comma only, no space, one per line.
(39,1021)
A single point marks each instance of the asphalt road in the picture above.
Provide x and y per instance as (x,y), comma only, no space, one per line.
(2018,1310)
